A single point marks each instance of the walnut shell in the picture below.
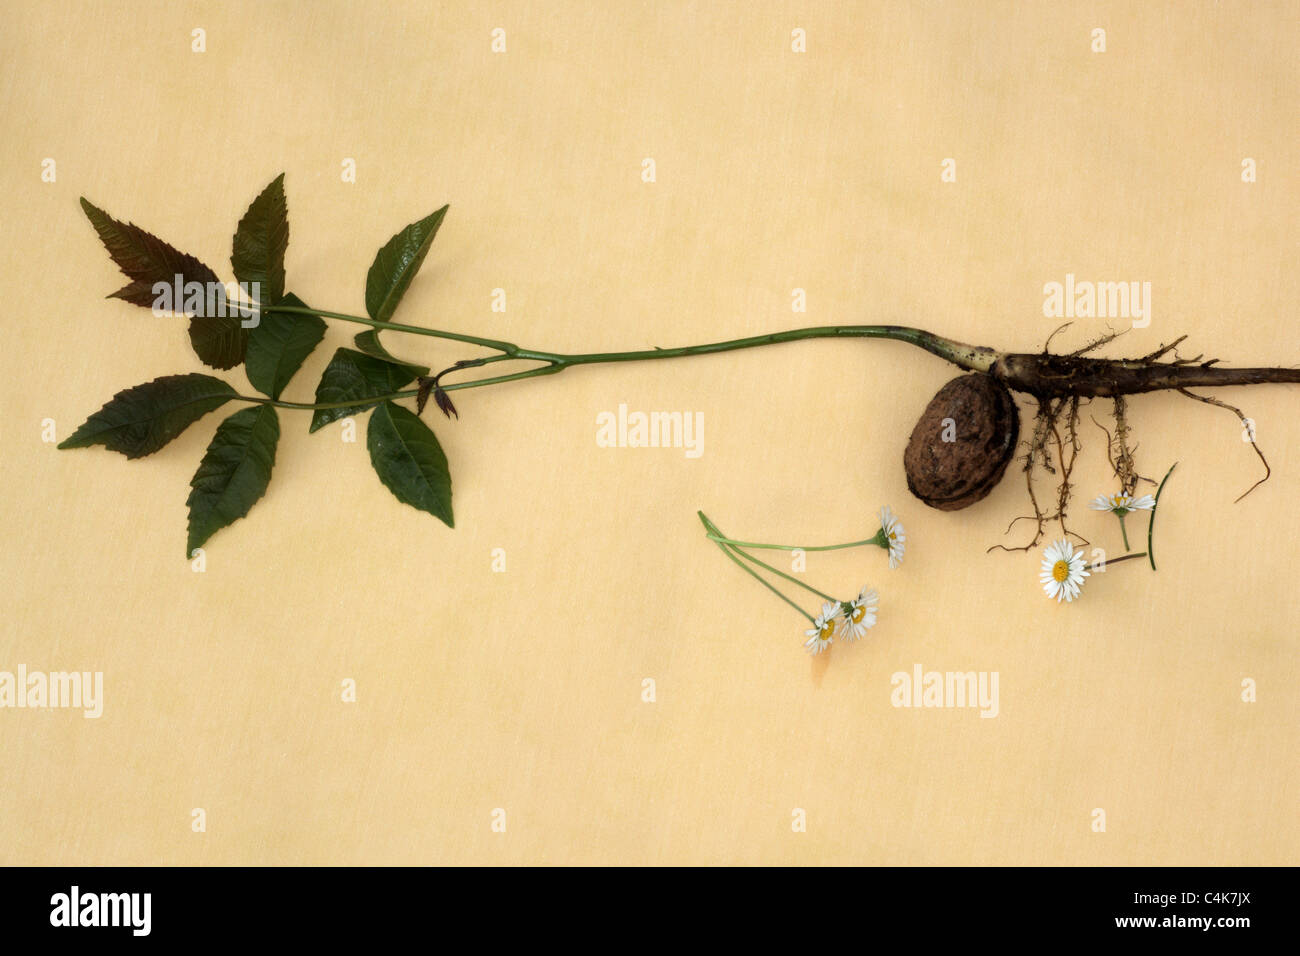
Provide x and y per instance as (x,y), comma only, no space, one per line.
(977,416)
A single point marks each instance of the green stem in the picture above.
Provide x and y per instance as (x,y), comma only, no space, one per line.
(789,577)
(1151,522)
(973,358)
(507,347)
(549,369)
(750,571)
(312,406)
(1140,554)
(405,393)
(800,547)
(967,356)
(1124,532)
(767,584)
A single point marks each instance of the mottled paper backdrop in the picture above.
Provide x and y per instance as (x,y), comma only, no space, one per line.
(523,691)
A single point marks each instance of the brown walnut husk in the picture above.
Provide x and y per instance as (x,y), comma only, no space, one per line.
(984,427)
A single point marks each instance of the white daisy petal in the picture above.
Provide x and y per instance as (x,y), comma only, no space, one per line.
(859,615)
(1063,571)
(892,529)
(822,632)
(1121,504)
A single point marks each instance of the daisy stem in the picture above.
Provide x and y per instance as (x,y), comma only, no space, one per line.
(767,584)
(799,547)
(1094,567)
(719,537)
(1151,522)
(1124,532)
(789,577)
(750,571)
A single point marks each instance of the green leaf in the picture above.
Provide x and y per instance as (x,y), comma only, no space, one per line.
(143,257)
(261,241)
(279,344)
(219,340)
(138,421)
(397,263)
(234,472)
(369,343)
(409,460)
(354,377)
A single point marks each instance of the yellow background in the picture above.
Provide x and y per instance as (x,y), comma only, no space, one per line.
(522,690)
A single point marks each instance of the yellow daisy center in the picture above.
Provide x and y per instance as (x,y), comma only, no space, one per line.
(826,630)
(1060,571)
(858,614)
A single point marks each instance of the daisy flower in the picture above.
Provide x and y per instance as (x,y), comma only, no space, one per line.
(823,629)
(859,615)
(1063,571)
(1121,504)
(891,536)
